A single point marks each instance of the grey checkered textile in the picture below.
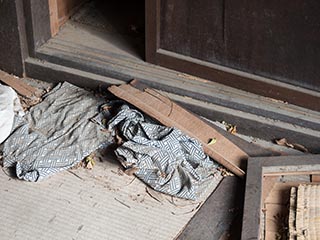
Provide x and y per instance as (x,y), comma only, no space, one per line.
(55,135)
(166,159)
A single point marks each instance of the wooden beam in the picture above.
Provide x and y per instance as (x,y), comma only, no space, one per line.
(172,115)
(66,8)
(315,178)
(16,83)
(54,19)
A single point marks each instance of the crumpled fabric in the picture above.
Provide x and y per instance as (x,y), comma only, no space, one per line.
(55,135)
(9,106)
(165,158)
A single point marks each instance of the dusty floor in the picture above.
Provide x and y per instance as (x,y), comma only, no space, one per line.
(102,203)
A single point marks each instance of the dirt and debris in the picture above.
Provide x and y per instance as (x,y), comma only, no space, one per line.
(229,127)
(286,143)
(89,161)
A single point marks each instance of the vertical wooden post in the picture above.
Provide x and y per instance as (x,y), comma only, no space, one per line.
(54,20)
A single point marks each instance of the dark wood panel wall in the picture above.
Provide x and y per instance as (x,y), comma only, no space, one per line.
(274,39)
(187,28)
(37,20)
(12,49)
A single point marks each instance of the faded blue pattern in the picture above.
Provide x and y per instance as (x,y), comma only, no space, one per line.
(55,135)
(166,159)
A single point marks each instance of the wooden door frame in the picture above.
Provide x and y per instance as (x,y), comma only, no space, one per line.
(260,167)
(38,31)
(214,72)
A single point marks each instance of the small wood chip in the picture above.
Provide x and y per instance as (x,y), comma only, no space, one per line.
(284,142)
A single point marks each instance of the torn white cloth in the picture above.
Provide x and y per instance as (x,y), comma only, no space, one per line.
(56,134)
(9,106)
(165,158)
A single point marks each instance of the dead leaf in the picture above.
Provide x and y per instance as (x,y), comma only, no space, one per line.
(89,165)
(300,147)
(225,172)
(284,142)
(131,171)
(230,128)
(89,161)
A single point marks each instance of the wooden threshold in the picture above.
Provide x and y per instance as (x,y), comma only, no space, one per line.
(84,57)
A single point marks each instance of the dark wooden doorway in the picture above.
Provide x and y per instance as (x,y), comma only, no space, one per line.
(269,48)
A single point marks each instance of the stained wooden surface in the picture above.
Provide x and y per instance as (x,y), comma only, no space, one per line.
(66,8)
(220,216)
(255,47)
(54,19)
(12,45)
(16,83)
(279,40)
(37,21)
(315,178)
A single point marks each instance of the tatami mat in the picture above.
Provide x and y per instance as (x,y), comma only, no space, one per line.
(102,203)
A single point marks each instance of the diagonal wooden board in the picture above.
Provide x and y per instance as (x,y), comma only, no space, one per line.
(21,87)
(172,115)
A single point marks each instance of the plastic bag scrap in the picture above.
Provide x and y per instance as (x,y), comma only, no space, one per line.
(56,134)
(165,158)
(9,106)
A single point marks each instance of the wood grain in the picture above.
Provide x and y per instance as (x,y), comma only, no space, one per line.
(172,115)
(14,82)
(54,20)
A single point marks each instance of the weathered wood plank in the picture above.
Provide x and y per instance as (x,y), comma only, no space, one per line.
(172,115)
(217,216)
(315,178)
(66,8)
(21,87)
(54,20)
(267,185)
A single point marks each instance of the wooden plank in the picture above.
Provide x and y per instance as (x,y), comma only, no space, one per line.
(172,115)
(218,216)
(54,20)
(275,222)
(293,173)
(315,178)
(66,8)
(280,193)
(253,150)
(21,87)
(267,185)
